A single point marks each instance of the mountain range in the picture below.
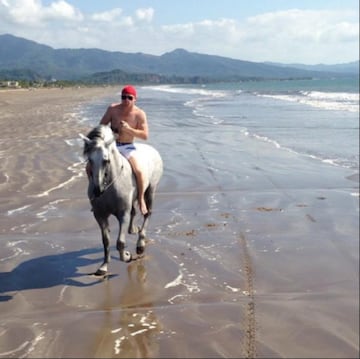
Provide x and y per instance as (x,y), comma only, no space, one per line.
(31,59)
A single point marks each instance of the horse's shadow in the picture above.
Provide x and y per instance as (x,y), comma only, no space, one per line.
(48,271)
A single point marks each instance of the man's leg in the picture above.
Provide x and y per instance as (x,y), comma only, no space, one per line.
(140,185)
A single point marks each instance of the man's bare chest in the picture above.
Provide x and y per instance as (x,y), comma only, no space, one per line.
(117,117)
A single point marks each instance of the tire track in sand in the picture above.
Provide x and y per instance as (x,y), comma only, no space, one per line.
(250,320)
(249,341)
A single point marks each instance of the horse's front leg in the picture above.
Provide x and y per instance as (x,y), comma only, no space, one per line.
(123,220)
(105,235)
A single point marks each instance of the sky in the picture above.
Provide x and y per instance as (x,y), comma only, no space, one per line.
(284,31)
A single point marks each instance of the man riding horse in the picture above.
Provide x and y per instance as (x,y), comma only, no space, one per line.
(128,122)
(112,189)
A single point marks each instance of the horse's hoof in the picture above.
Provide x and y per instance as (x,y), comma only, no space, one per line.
(140,250)
(100,273)
(126,257)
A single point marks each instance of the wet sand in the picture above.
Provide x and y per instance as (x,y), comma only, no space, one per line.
(252,258)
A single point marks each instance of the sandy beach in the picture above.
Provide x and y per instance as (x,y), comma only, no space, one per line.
(248,257)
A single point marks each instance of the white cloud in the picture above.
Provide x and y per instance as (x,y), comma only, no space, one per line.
(145,14)
(296,35)
(283,36)
(24,11)
(31,13)
(300,25)
(4,3)
(110,15)
(61,10)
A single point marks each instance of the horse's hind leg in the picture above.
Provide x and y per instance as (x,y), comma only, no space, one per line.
(140,244)
(124,220)
(132,228)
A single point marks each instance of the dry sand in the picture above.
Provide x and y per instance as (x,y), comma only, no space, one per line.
(266,269)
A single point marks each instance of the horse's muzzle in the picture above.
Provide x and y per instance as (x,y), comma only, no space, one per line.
(97,191)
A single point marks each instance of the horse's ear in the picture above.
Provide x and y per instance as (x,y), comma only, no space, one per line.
(86,139)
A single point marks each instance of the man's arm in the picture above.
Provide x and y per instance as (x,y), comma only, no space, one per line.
(106,119)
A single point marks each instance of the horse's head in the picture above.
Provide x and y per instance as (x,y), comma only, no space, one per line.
(97,149)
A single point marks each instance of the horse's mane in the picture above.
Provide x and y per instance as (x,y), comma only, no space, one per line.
(97,134)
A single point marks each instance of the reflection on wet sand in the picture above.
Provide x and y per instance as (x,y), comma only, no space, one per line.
(130,324)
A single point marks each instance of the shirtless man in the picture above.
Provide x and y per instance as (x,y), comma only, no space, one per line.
(129,122)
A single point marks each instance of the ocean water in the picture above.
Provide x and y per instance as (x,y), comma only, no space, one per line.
(315,118)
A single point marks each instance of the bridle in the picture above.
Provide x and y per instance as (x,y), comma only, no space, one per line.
(106,173)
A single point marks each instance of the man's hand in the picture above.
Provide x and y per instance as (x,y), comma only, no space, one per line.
(124,124)
(126,128)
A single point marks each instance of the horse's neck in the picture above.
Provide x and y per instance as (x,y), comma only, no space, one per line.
(119,163)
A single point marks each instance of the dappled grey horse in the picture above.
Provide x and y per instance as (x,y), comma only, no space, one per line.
(112,189)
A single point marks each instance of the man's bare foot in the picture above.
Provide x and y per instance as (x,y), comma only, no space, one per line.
(143,208)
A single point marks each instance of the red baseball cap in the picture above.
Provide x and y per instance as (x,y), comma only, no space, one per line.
(128,89)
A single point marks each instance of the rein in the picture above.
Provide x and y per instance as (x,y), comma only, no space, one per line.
(113,180)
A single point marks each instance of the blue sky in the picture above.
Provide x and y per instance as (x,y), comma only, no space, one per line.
(290,31)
